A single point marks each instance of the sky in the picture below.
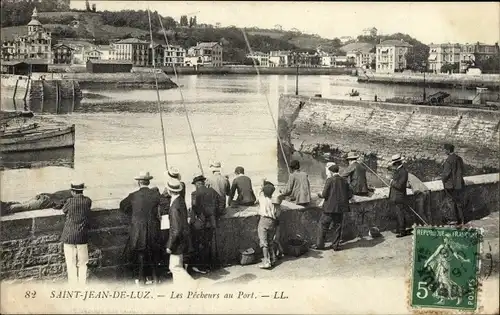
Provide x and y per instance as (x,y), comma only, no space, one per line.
(461,22)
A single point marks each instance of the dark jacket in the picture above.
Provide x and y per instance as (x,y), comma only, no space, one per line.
(337,194)
(356,175)
(397,192)
(76,226)
(179,230)
(205,204)
(243,185)
(453,172)
(144,231)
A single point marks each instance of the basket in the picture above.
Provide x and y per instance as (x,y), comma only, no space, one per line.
(247,257)
(297,247)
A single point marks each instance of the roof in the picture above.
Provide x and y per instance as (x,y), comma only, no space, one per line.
(62,45)
(11,62)
(258,53)
(357,46)
(132,41)
(207,45)
(34,22)
(36,61)
(394,42)
(114,62)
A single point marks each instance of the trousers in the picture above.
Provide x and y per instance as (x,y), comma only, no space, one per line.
(176,266)
(77,257)
(400,211)
(324,224)
(456,196)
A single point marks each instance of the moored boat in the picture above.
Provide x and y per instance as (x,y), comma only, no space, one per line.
(35,139)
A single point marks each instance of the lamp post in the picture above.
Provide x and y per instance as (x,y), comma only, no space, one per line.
(297,80)
(424,65)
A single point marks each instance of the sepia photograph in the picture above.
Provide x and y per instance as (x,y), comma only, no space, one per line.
(249,157)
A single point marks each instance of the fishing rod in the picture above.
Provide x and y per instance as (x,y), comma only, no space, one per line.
(267,100)
(182,100)
(157,91)
(383,181)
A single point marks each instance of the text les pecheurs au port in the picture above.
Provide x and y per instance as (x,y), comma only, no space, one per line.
(146,294)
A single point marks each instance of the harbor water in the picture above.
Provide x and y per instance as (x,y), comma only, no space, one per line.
(118,132)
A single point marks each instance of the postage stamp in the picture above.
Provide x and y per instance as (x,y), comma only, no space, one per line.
(445,268)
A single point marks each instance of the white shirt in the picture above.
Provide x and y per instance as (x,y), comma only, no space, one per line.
(269,207)
(173,198)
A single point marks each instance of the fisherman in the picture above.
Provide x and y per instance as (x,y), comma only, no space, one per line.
(178,240)
(165,200)
(356,175)
(397,194)
(205,203)
(298,186)
(453,181)
(329,173)
(75,234)
(269,212)
(243,185)
(422,197)
(336,194)
(220,184)
(41,201)
(143,244)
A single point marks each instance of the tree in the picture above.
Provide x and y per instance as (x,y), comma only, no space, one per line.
(336,43)
(94,9)
(184,21)
(450,67)
(250,62)
(489,64)
(194,21)
(87,5)
(190,22)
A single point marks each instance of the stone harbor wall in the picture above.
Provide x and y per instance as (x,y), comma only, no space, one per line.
(30,247)
(331,128)
(19,88)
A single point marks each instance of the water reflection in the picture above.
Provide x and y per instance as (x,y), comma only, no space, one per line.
(36,159)
(61,107)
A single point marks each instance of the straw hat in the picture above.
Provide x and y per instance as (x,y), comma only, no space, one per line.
(143,176)
(352,155)
(396,158)
(77,186)
(174,185)
(215,166)
(173,172)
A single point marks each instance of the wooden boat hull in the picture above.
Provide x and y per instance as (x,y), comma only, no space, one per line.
(43,139)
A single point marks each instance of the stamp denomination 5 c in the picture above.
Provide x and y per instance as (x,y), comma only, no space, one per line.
(445,268)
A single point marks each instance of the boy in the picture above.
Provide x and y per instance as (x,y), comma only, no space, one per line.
(269,211)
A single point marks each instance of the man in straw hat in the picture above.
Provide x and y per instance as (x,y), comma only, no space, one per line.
(336,194)
(75,234)
(220,184)
(453,181)
(143,245)
(356,175)
(178,242)
(397,194)
(205,202)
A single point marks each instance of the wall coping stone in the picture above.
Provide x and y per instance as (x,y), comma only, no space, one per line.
(239,211)
(400,107)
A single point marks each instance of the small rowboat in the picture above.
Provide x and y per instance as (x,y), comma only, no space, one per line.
(34,139)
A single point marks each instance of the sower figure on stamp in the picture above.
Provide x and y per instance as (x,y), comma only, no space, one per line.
(298,186)
(453,181)
(178,240)
(440,264)
(205,203)
(143,244)
(336,194)
(397,194)
(422,197)
(75,234)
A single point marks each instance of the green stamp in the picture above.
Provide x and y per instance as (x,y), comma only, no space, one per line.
(445,271)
